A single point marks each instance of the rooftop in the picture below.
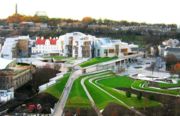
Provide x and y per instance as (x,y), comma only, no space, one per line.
(4,63)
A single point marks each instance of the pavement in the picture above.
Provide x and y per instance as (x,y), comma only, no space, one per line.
(59,108)
(145,74)
(89,96)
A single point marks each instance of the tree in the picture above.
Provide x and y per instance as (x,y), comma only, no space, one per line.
(139,96)
(177,68)
(170,60)
(151,97)
(88,20)
(152,67)
(128,94)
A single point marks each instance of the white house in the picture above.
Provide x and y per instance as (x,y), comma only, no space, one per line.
(171,43)
(170,47)
(50,45)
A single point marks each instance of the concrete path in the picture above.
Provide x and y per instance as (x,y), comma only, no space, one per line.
(59,108)
(89,96)
(149,91)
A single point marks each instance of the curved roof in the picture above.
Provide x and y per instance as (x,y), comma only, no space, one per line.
(4,63)
(104,41)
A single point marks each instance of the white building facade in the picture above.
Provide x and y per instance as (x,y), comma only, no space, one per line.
(79,45)
(9,49)
(170,47)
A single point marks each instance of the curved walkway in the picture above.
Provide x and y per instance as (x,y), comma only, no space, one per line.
(100,77)
(149,91)
(89,96)
(59,107)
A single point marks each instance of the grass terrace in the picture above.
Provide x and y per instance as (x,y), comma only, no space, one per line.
(117,82)
(55,57)
(61,58)
(143,85)
(100,98)
(77,96)
(108,81)
(169,85)
(57,89)
(97,60)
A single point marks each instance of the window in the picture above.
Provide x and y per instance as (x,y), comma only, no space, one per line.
(111,50)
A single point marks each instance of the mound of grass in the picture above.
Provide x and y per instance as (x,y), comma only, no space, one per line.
(117,82)
(97,60)
(77,96)
(110,84)
(55,57)
(57,89)
(169,85)
(100,98)
(138,85)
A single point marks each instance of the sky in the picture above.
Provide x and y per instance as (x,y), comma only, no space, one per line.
(149,11)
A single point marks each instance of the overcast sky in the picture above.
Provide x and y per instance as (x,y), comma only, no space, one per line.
(149,11)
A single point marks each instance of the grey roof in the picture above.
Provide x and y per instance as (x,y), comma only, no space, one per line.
(104,41)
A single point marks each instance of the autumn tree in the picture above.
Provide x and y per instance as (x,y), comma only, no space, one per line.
(88,20)
(170,60)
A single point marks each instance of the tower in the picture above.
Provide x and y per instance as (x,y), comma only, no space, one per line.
(16,9)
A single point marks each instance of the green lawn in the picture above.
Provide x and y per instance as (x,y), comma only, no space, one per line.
(97,60)
(100,98)
(169,85)
(77,97)
(55,57)
(57,89)
(138,84)
(117,82)
(109,84)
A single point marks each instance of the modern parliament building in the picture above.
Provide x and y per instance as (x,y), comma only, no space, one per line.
(79,45)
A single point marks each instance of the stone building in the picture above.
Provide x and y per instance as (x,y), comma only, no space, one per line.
(12,76)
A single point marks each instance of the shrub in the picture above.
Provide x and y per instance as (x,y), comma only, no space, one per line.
(151,97)
(139,96)
(128,94)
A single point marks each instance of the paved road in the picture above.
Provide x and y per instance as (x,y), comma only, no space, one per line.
(58,111)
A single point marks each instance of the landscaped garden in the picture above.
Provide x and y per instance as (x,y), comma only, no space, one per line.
(117,81)
(143,85)
(97,60)
(77,97)
(61,58)
(102,88)
(57,89)
(110,83)
(169,85)
(57,57)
